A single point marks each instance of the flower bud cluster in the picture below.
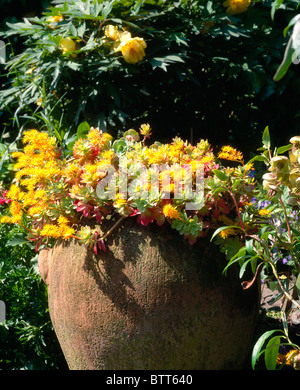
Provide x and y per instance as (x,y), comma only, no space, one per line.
(285,171)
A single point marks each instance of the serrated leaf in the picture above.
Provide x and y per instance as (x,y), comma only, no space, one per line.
(74,65)
(81,29)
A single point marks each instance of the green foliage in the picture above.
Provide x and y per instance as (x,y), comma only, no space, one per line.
(205,74)
(27,339)
(270,245)
(199,61)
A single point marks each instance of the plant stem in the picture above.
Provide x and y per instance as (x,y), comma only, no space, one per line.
(286,220)
(113,228)
(237,208)
(287,295)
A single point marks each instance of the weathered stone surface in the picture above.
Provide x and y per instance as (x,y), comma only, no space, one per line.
(150,302)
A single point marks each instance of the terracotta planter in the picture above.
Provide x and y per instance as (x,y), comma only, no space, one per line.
(150,302)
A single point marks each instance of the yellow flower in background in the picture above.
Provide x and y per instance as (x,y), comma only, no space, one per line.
(67,45)
(227,232)
(236,6)
(55,19)
(29,71)
(39,102)
(264,212)
(132,49)
(112,32)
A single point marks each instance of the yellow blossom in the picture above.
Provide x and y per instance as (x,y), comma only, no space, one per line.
(209,158)
(50,230)
(231,154)
(289,358)
(67,232)
(55,18)
(63,231)
(145,130)
(249,167)
(67,45)
(94,136)
(62,220)
(14,192)
(105,139)
(112,32)
(170,211)
(227,232)
(132,49)
(39,102)
(29,71)
(264,212)
(6,219)
(72,172)
(236,6)
(37,209)
(16,211)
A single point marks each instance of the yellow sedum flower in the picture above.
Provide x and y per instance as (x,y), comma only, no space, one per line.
(235,7)
(231,154)
(227,232)
(171,212)
(264,212)
(62,230)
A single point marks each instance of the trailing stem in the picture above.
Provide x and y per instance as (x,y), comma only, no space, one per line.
(237,209)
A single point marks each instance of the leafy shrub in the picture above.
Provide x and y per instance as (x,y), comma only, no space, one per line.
(272,246)
(199,61)
(27,339)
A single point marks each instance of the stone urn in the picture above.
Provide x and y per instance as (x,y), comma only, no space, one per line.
(151,302)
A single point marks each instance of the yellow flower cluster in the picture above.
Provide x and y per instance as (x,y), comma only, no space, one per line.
(62,229)
(132,49)
(231,154)
(291,358)
(35,165)
(55,193)
(285,170)
(227,232)
(170,211)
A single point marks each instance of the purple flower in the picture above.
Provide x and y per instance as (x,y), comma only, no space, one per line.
(251,173)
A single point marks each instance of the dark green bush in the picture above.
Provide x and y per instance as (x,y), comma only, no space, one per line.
(27,339)
(205,73)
